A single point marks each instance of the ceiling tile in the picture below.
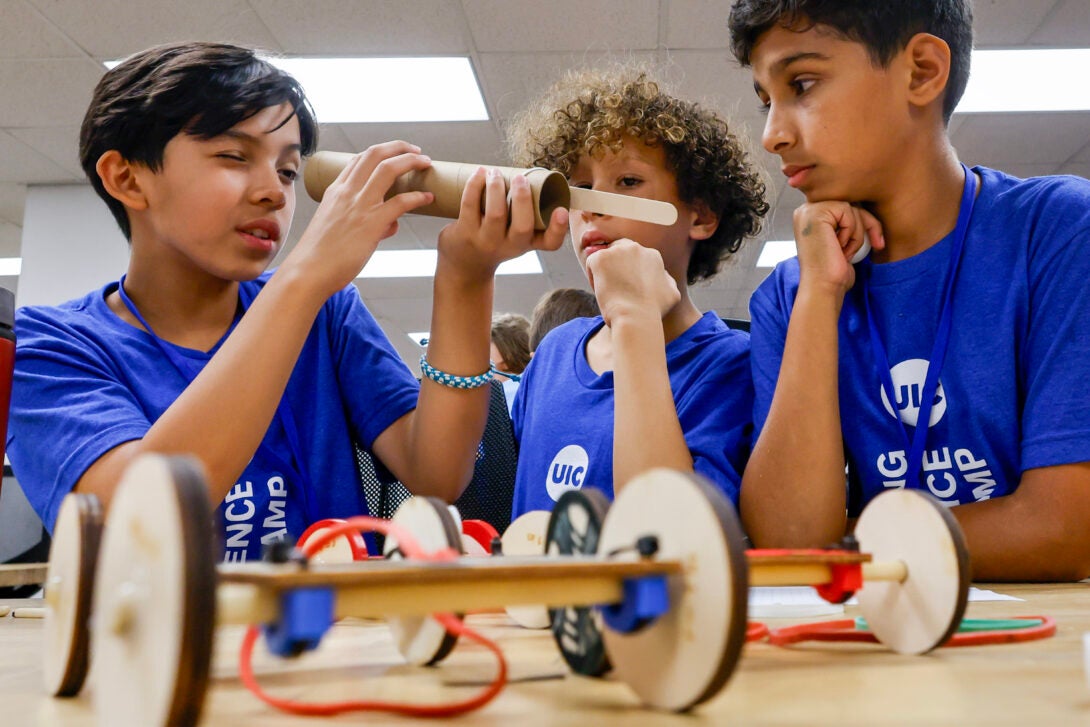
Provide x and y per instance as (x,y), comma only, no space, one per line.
(511,80)
(560,25)
(12,201)
(697,23)
(95,26)
(1006,22)
(1068,25)
(26,34)
(376,27)
(20,163)
(996,140)
(60,144)
(1080,169)
(28,103)
(475,142)
(11,240)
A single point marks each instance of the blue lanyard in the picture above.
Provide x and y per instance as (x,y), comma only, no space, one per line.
(189,371)
(918,441)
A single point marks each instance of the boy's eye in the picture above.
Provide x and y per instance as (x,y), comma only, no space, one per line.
(802,85)
(233,156)
(289,174)
(580,185)
(629,181)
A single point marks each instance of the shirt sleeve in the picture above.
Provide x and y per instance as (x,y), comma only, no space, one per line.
(1055,361)
(715,415)
(69,407)
(769,312)
(376,382)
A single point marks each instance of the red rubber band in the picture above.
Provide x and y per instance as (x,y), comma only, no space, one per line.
(411,549)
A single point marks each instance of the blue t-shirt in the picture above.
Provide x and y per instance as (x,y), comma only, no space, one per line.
(1012,391)
(86,382)
(563,413)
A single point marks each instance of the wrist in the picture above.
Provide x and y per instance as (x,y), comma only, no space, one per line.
(305,291)
(820,295)
(461,277)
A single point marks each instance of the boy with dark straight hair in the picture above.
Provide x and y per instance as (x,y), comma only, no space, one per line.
(954,359)
(268,378)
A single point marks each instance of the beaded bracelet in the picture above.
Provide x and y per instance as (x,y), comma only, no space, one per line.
(456,382)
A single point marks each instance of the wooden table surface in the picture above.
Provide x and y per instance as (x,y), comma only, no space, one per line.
(1035,683)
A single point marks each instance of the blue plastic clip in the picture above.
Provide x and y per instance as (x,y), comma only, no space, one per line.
(644,600)
(305,615)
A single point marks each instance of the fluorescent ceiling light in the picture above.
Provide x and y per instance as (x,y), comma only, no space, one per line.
(1027,80)
(420,338)
(10,266)
(421,264)
(355,90)
(776,251)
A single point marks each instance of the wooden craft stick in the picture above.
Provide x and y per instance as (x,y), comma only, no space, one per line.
(619,205)
(29,612)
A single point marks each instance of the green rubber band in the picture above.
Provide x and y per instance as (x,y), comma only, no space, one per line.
(980,624)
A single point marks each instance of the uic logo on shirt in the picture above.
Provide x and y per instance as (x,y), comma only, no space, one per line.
(567,471)
(908,380)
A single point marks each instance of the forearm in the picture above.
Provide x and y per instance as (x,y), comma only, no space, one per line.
(1038,533)
(223,415)
(448,423)
(646,430)
(793,492)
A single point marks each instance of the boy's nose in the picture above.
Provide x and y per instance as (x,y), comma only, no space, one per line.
(776,137)
(271,192)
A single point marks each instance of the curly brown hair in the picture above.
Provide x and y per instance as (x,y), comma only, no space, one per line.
(593,111)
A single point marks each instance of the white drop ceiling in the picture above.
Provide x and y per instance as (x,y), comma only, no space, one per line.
(51,54)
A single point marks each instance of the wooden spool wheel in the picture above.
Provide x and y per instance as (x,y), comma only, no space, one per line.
(525,536)
(421,639)
(68,589)
(688,654)
(920,610)
(573,529)
(155,596)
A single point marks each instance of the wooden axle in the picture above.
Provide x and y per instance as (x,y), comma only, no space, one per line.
(23,574)
(803,572)
(251,594)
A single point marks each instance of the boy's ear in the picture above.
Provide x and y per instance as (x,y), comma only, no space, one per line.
(121,180)
(928,59)
(704,222)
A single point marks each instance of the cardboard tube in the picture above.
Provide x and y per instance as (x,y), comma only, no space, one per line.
(445,180)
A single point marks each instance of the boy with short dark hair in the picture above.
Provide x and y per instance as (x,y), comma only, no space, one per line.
(268,378)
(954,360)
(651,382)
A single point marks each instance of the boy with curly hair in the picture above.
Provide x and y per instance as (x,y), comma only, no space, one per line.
(954,360)
(651,382)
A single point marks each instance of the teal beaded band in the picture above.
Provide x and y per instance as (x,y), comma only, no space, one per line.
(455,382)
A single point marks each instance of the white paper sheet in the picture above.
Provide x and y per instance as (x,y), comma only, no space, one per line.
(803,601)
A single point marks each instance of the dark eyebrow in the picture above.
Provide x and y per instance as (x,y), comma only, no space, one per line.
(781,65)
(784,63)
(251,139)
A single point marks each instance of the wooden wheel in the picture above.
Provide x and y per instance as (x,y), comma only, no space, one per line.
(923,611)
(344,549)
(68,590)
(422,639)
(526,536)
(155,597)
(574,527)
(689,653)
